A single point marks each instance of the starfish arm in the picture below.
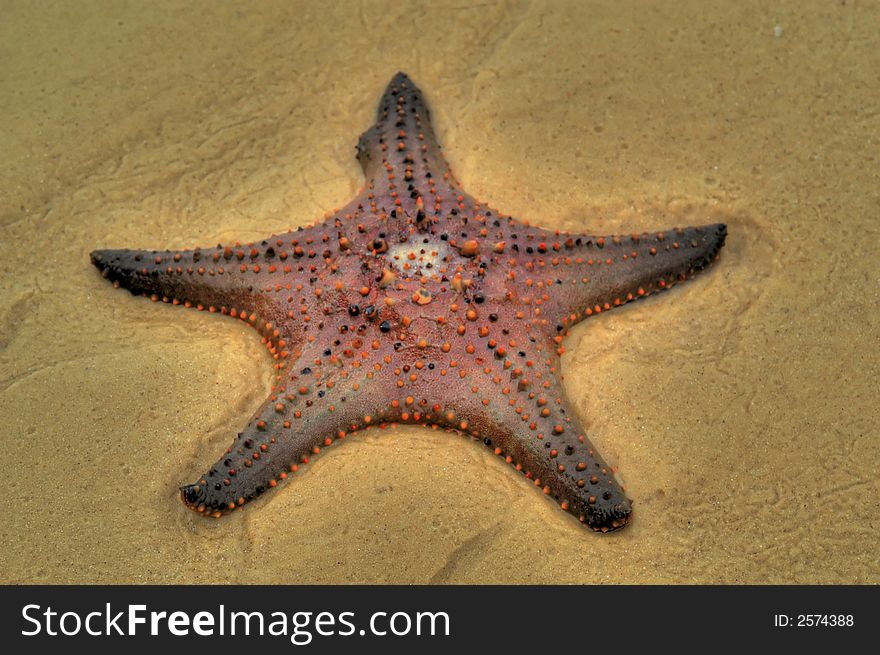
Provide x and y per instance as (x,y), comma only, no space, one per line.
(517,407)
(213,278)
(401,146)
(591,274)
(320,401)
(244,282)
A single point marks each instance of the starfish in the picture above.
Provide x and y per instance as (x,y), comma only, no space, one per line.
(416,304)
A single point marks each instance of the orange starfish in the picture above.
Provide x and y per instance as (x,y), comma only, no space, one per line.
(416,303)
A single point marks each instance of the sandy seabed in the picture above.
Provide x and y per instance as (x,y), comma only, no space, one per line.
(740,409)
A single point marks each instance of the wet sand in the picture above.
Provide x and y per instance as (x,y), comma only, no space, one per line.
(740,409)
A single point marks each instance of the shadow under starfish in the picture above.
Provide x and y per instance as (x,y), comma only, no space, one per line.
(416,303)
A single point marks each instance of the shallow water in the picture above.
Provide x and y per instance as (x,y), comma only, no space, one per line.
(740,409)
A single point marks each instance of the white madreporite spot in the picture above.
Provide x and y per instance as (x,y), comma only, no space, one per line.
(423,258)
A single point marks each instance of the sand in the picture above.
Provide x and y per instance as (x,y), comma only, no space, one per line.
(740,409)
